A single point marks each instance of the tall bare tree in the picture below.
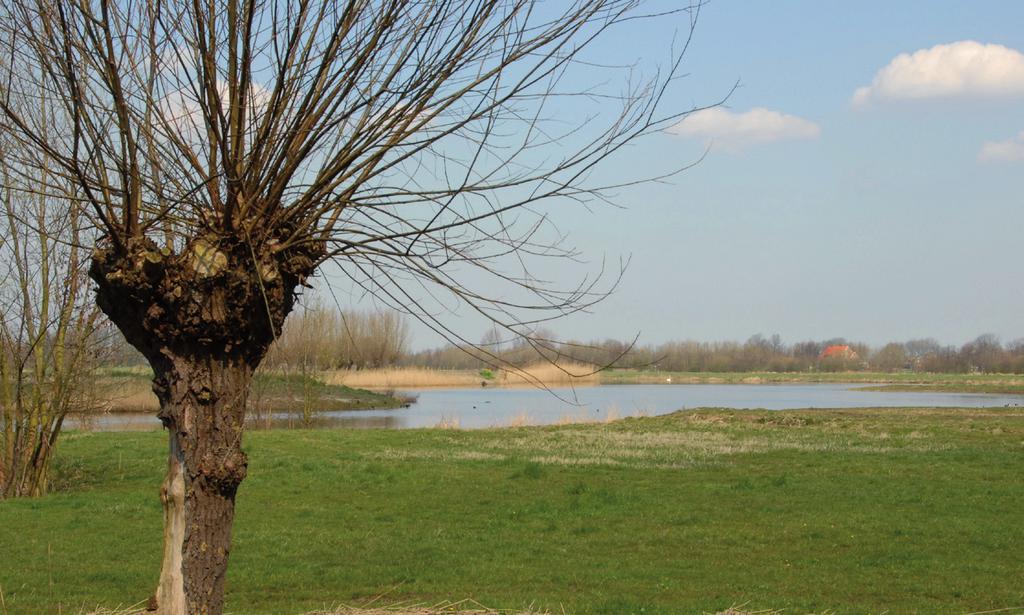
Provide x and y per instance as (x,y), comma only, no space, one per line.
(225,149)
(47,334)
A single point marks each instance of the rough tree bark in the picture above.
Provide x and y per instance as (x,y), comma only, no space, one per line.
(170,590)
(204,319)
(203,407)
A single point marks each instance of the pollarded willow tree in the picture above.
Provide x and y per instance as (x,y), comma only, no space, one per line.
(223,150)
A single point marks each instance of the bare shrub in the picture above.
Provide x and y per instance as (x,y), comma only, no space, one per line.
(47,327)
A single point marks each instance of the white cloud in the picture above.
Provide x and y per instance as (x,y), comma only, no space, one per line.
(759,125)
(1011,150)
(960,69)
(182,111)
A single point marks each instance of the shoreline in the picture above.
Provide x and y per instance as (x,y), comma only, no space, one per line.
(388,380)
(128,390)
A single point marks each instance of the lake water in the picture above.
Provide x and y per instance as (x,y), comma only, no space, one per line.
(492,407)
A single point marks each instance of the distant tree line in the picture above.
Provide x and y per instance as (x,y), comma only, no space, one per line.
(986,353)
(320,338)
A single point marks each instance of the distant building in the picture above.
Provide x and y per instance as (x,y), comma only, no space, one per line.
(838,351)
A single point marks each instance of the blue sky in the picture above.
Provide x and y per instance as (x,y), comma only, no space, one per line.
(818,212)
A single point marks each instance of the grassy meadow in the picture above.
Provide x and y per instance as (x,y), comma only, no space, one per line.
(849,511)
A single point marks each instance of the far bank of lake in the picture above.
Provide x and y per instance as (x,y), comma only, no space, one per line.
(475,408)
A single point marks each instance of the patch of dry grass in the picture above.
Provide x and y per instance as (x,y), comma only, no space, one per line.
(462,607)
(686,439)
(138,609)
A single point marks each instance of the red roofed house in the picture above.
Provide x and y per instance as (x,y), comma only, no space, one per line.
(838,351)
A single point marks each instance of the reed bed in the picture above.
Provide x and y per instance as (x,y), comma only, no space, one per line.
(402,378)
(547,374)
(538,374)
(128,395)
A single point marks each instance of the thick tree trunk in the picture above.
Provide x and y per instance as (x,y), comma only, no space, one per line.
(203,407)
(204,319)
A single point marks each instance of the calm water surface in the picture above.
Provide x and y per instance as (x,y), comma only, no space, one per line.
(487,407)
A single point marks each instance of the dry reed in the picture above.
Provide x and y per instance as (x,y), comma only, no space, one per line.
(540,374)
(128,395)
(521,420)
(447,423)
(402,378)
(546,374)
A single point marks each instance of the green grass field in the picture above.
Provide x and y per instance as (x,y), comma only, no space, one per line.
(858,511)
